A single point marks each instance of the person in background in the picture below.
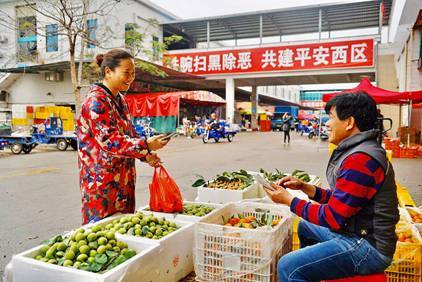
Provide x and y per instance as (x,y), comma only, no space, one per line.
(349,229)
(108,144)
(286,126)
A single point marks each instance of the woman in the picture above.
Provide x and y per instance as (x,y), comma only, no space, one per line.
(286,126)
(108,142)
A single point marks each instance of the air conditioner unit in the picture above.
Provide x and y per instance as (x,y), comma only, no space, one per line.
(54,76)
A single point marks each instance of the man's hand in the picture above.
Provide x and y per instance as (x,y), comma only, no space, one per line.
(297,184)
(157,142)
(153,160)
(279,195)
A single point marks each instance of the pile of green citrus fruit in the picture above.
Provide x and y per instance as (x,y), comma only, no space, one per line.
(142,225)
(196,210)
(95,250)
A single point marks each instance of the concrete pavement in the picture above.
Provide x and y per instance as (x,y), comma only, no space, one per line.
(39,192)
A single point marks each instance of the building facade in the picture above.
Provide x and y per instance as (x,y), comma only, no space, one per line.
(27,48)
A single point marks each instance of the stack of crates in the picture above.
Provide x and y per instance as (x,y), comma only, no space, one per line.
(407,260)
(234,254)
(295,237)
(68,119)
(22,116)
(64,113)
(393,145)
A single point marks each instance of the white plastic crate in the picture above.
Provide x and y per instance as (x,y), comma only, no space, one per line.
(224,196)
(173,260)
(183,217)
(25,268)
(225,253)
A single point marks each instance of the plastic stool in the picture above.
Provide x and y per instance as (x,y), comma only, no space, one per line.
(379,277)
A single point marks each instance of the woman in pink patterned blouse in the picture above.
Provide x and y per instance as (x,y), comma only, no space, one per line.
(108,143)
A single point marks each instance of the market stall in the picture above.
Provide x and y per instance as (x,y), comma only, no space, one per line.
(242,239)
(407,135)
(165,108)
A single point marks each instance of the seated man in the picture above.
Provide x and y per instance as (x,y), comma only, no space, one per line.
(215,123)
(351,229)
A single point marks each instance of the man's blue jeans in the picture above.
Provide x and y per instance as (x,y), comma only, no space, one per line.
(328,255)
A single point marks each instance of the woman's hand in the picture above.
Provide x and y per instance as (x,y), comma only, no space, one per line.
(157,142)
(297,184)
(153,160)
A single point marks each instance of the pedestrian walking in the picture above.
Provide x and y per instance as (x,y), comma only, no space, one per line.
(286,127)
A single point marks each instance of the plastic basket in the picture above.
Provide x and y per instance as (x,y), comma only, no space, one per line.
(231,254)
(407,261)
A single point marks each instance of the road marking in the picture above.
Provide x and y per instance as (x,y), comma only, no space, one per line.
(29,172)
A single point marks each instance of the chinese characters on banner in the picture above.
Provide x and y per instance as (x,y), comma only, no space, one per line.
(313,104)
(340,54)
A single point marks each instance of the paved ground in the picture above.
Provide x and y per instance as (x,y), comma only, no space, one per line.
(39,192)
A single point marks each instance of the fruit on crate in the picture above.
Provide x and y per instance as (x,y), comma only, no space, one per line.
(193,209)
(237,180)
(302,175)
(196,210)
(405,237)
(251,222)
(273,176)
(416,216)
(88,250)
(141,225)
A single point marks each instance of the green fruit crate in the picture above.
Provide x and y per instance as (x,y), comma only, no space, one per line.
(174,260)
(226,253)
(26,268)
(185,217)
(224,196)
(407,261)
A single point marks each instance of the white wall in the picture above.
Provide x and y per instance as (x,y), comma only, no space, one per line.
(33,89)
(289,93)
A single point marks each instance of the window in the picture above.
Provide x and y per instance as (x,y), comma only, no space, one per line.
(155,48)
(27,36)
(52,42)
(92,36)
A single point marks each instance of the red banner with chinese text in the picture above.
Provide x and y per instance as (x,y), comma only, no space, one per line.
(324,55)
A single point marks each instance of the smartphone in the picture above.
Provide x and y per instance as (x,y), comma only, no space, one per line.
(264,182)
(170,135)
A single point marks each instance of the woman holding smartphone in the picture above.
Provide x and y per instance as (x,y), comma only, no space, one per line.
(108,143)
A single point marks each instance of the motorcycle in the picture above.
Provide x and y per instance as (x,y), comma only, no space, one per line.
(211,132)
(308,131)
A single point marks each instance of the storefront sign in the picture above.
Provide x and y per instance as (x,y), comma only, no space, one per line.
(324,55)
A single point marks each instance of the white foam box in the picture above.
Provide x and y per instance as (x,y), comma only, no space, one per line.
(183,217)
(26,268)
(173,259)
(315,180)
(224,196)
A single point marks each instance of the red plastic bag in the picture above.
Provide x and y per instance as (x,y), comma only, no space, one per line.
(164,193)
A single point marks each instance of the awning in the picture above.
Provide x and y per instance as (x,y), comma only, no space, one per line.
(381,96)
(167,104)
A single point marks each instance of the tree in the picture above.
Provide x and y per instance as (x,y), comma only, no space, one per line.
(135,42)
(71,20)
